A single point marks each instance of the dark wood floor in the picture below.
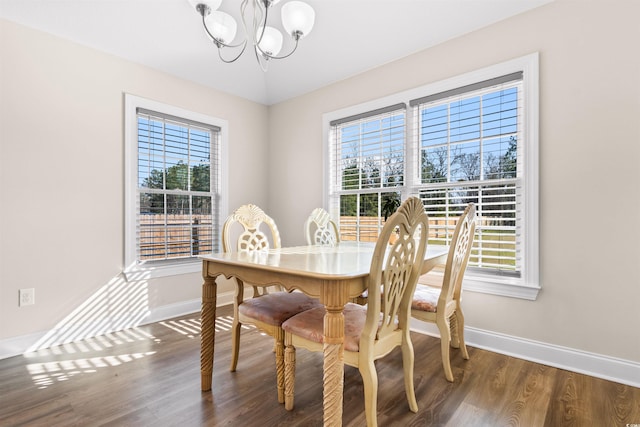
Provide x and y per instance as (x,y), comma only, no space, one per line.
(149,376)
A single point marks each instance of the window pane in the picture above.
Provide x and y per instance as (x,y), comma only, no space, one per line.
(464,119)
(371,152)
(471,138)
(201,225)
(500,157)
(176,142)
(500,112)
(369,219)
(152,226)
(199,159)
(495,245)
(349,217)
(434,126)
(201,177)
(178,226)
(174,156)
(150,172)
(434,165)
(177,175)
(465,162)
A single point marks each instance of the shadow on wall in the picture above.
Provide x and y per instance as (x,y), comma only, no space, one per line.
(118,305)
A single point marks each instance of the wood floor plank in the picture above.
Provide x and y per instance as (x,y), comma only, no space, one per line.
(149,376)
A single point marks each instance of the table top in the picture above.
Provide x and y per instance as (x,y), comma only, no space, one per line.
(346,260)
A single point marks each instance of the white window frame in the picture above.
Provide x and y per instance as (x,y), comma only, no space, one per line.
(528,284)
(132,269)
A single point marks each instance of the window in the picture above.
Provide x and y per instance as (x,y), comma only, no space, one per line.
(174,187)
(368,169)
(472,138)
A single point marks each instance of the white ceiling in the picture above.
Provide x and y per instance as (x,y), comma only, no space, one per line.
(349,37)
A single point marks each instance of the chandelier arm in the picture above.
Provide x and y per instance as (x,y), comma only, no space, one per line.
(262,21)
(279,57)
(237,56)
(243,8)
(262,61)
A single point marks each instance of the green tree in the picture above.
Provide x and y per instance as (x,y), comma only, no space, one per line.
(200,178)
(393,170)
(509,160)
(351,175)
(177,176)
(370,173)
(434,165)
(465,166)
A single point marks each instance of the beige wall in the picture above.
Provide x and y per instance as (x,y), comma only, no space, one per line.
(589,165)
(61,177)
(61,161)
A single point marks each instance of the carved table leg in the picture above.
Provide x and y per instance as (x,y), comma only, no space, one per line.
(207,334)
(333,365)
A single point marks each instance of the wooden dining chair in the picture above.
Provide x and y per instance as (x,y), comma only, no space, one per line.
(442,305)
(320,229)
(372,331)
(268,308)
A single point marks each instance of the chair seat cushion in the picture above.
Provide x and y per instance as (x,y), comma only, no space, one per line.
(425,298)
(310,324)
(275,308)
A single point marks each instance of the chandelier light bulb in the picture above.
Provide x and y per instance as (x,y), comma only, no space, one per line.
(222,26)
(271,42)
(298,18)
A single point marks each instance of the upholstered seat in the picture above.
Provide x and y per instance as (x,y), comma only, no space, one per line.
(425,298)
(267,309)
(373,331)
(442,306)
(275,308)
(309,325)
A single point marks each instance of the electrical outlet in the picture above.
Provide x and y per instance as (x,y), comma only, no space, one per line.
(26,297)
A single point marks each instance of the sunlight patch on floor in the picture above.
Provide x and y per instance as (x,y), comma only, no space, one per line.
(48,373)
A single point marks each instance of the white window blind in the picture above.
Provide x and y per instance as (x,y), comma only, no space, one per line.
(367,168)
(471,148)
(178,164)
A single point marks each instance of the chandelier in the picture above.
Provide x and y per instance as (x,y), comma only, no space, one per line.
(297,19)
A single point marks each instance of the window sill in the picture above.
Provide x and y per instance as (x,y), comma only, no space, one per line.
(489,285)
(502,287)
(146,271)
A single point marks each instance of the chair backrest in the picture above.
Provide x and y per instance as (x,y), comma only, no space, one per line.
(459,251)
(251,218)
(320,229)
(394,272)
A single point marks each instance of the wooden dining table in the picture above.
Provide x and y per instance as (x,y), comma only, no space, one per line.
(335,275)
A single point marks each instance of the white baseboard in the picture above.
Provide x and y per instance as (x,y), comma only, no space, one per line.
(15,346)
(592,364)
